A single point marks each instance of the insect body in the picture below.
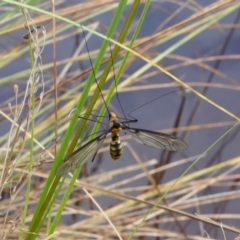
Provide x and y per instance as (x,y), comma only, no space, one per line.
(116,148)
(89,150)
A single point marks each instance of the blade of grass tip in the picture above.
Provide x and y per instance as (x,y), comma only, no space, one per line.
(40,211)
(103,79)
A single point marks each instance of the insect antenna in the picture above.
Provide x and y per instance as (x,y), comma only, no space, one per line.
(117,95)
(129,114)
(94,75)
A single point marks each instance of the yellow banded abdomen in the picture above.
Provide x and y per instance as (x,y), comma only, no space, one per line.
(116,148)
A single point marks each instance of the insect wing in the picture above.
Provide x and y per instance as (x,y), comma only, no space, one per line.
(157,139)
(81,155)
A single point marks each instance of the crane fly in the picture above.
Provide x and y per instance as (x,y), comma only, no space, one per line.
(89,150)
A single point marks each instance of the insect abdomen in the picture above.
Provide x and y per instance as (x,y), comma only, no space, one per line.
(116,148)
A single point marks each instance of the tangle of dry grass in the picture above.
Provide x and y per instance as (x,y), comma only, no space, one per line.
(111,199)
